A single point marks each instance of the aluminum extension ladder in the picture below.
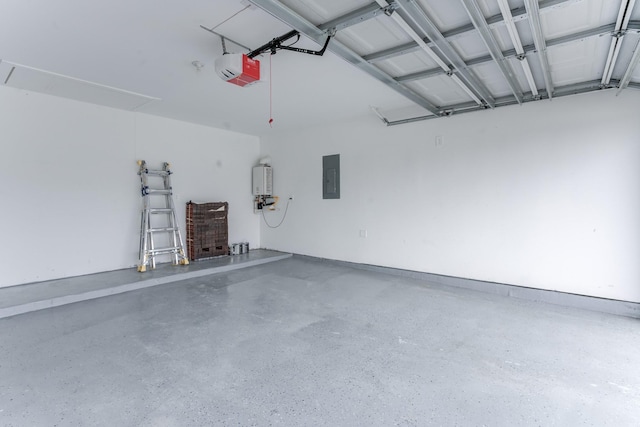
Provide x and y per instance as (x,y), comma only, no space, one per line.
(149,235)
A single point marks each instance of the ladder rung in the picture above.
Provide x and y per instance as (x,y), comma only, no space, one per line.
(156,230)
(173,249)
(157,172)
(157,191)
(160,210)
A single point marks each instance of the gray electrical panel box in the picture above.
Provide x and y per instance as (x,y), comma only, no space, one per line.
(331,177)
(262,181)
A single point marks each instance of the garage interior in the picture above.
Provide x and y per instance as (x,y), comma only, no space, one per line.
(449,237)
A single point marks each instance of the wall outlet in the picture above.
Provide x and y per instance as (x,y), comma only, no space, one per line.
(363,234)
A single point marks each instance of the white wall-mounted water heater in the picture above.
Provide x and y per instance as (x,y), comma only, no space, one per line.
(262,180)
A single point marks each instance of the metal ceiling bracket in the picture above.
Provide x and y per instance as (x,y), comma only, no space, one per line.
(477,18)
(411,32)
(224,46)
(517,44)
(224,38)
(420,75)
(505,101)
(355,17)
(539,41)
(412,13)
(626,78)
(297,22)
(380,116)
(581,35)
(624,15)
(529,49)
(389,9)
(276,44)
(493,21)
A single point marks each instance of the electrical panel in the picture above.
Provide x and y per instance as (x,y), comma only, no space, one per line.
(262,180)
(331,177)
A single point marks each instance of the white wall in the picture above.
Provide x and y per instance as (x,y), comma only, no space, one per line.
(70,193)
(542,195)
(504,199)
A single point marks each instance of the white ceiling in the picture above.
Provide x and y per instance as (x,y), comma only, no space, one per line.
(138,55)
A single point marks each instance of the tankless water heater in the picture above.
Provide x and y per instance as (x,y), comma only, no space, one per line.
(262,180)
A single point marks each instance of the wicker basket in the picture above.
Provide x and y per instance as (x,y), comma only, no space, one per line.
(207,230)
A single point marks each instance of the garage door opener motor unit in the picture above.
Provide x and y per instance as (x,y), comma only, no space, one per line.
(243,70)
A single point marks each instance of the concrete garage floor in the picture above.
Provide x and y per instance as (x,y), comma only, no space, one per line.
(305,342)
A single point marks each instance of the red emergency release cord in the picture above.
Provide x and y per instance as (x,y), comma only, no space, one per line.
(270,93)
